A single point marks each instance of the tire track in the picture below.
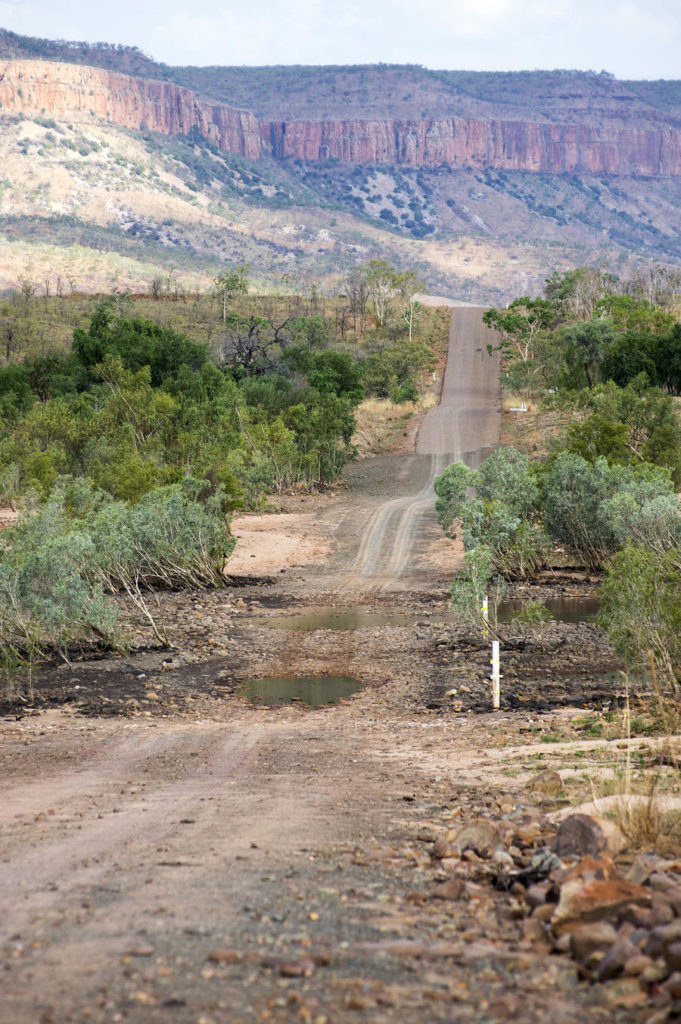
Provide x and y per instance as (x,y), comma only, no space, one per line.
(466,422)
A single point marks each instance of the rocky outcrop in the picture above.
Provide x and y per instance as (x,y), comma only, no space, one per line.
(74,92)
(508,145)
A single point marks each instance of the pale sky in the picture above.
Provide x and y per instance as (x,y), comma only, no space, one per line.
(629,39)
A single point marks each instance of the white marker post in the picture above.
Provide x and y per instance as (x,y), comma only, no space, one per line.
(485,615)
(518,409)
(496,675)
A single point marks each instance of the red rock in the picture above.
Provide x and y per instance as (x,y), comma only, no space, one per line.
(595,900)
(544,912)
(672,985)
(536,894)
(442,849)
(674,898)
(637,964)
(617,956)
(546,783)
(455,889)
(672,955)
(480,835)
(589,869)
(661,910)
(225,956)
(661,937)
(302,968)
(533,930)
(76,93)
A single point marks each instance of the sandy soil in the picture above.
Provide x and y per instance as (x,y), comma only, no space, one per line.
(270,543)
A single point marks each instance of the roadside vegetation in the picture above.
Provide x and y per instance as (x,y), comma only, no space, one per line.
(125,451)
(607,355)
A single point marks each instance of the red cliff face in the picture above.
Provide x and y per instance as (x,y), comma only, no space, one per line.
(72,92)
(75,93)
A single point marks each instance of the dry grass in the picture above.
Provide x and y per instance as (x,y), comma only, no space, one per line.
(382,424)
(534,430)
(644,815)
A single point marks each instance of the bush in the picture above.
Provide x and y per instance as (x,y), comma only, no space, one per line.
(580,510)
(502,515)
(641,612)
(450,488)
(471,584)
(57,564)
(137,343)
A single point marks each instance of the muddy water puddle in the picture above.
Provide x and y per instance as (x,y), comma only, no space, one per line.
(562,609)
(314,691)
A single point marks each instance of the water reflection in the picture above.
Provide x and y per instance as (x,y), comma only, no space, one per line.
(315,691)
(562,609)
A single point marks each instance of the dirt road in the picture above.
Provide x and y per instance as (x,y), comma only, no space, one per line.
(394,532)
(237,864)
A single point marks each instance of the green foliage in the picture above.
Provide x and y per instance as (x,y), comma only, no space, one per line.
(471,584)
(451,487)
(58,563)
(521,324)
(599,436)
(229,283)
(518,548)
(632,424)
(386,371)
(668,360)
(590,508)
(584,346)
(501,518)
(137,343)
(534,614)
(507,475)
(581,502)
(406,392)
(634,316)
(137,404)
(640,609)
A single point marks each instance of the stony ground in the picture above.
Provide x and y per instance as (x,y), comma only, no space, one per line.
(173,853)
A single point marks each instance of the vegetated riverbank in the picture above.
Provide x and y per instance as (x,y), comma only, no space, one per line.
(428,663)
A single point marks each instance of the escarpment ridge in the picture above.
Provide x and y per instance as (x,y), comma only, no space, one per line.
(76,92)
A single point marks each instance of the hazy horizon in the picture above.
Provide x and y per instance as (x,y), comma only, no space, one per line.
(617,36)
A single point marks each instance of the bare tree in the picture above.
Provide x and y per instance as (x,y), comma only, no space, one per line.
(249,343)
(357,291)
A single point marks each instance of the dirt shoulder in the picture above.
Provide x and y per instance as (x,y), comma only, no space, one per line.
(265,866)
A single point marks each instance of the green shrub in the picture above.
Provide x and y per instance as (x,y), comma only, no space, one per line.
(58,563)
(641,612)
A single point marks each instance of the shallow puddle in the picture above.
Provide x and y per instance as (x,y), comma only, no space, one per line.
(315,691)
(562,609)
(348,618)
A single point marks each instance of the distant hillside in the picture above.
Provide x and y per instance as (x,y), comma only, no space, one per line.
(483,182)
(382,90)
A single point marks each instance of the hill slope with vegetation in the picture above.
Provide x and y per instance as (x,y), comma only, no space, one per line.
(107,206)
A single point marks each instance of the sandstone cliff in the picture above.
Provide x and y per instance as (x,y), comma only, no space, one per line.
(75,92)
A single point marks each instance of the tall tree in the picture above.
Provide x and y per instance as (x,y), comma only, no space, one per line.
(231,282)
